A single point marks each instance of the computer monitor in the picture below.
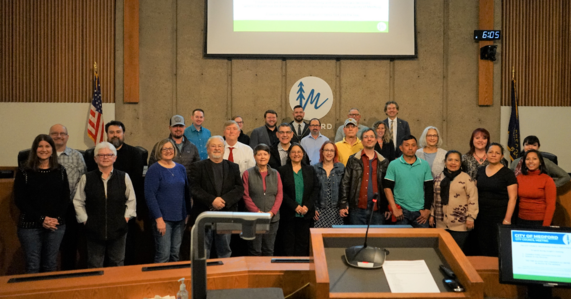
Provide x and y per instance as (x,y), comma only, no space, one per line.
(539,255)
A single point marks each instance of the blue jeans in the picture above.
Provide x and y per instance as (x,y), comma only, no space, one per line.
(167,247)
(263,244)
(410,218)
(113,249)
(361,216)
(222,243)
(41,247)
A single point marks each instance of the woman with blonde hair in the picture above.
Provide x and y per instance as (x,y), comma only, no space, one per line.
(430,150)
(384,145)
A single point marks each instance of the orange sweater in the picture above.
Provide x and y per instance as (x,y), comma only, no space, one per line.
(537,194)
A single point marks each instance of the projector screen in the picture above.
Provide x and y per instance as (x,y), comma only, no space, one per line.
(311,28)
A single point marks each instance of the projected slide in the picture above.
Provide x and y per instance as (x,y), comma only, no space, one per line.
(541,256)
(361,16)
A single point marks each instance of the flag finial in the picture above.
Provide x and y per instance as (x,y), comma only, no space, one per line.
(95,67)
(513,72)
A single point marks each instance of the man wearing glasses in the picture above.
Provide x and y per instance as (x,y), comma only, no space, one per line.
(356,115)
(187,152)
(75,167)
(312,143)
(278,151)
(105,202)
(245,139)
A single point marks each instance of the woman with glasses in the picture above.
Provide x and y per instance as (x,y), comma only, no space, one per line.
(329,174)
(41,193)
(300,191)
(385,145)
(430,150)
(168,198)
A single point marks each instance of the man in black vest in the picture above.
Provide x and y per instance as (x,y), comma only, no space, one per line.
(215,185)
(104,203)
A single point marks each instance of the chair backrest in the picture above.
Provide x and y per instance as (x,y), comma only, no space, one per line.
(23,157)
(550,156)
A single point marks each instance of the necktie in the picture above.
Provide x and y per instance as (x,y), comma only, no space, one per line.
(231,155)
(394,131)
(299,130)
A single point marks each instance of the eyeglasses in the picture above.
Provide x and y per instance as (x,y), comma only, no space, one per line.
(432,136)
(285,132)
(239,122)
(105,155)
(354,114)
(314,125)
(58,134)
(168,149)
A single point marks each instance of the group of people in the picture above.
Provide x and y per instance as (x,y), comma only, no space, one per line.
(291,171)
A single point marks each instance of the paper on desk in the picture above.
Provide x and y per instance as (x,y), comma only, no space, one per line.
(409,277)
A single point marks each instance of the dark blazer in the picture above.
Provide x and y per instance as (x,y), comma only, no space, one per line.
(403,129)
(275,160)
(311,189)
(297,138)
(260,135)
(388,151)
(203,190)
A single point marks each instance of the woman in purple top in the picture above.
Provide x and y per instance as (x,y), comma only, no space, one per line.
(168,198)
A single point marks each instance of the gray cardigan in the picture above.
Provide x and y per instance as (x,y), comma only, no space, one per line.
(438,164)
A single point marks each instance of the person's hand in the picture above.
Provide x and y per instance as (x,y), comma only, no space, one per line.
(50,223)
(316,217)
(424,214)
(398,214)
(304,210)
(298,209)
(506,222)
(127,219)
(186,220)
(431,221)
(388,215)
(161,226)
(344,212)
(218,203)
(470,224)
(271,214)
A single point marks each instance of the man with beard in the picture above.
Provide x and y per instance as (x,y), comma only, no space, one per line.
(363,178)
(265,134)
(215,185)
(298,126)
(313,142)
(409,186)
(186,152)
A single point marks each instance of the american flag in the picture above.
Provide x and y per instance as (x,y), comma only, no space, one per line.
(95,128)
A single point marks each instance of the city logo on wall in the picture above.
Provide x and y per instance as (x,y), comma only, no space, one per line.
(314,95)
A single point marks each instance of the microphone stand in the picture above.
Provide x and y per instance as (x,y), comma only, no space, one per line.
(363,256)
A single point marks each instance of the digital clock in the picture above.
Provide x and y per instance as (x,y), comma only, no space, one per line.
(487,35)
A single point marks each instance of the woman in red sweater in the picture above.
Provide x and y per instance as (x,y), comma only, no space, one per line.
(536,191)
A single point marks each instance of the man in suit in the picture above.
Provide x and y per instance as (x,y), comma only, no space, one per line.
(267,133)
(298,126)
(399,127)
(215,185)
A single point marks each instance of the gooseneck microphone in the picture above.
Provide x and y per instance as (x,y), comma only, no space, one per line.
(363,256)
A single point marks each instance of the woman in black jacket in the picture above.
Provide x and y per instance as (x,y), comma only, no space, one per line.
(300,191)
(41,192)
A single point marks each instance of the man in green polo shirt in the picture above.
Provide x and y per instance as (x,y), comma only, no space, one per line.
(408,186)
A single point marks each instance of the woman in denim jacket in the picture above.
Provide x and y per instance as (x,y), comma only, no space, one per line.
(329,172)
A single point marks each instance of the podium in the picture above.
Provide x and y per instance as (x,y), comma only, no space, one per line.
(335,279)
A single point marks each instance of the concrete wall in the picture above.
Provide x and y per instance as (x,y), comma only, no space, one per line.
(438,88)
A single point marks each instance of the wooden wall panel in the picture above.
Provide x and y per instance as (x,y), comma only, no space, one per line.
(536,43)
(48,49)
